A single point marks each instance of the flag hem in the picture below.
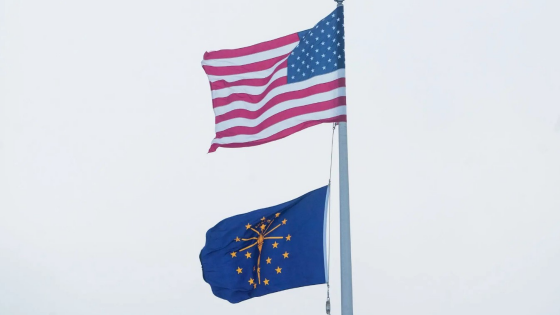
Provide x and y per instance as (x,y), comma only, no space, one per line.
(325,249)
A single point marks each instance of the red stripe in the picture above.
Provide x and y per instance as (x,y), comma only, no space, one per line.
(289,113)
(319,88)
(221,84)
(282,134)
(264,46)
(251,67)
(249,97)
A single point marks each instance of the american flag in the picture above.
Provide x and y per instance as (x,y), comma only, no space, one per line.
(273,89)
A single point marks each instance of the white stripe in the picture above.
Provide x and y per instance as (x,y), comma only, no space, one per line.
(247,75)
(253,90)
(243,60)
(280,107)
(285,124)
(327,77)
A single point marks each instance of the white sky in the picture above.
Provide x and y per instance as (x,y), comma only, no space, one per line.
(107,191)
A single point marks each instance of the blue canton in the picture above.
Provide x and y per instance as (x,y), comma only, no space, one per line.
(320,49)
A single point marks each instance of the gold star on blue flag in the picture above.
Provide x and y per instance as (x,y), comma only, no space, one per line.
(268,250)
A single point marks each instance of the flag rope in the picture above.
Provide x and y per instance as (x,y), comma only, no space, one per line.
(328,305)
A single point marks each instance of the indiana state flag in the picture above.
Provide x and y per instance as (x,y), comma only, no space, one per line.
(268,250)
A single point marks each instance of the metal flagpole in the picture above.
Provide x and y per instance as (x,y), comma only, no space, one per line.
(345,244)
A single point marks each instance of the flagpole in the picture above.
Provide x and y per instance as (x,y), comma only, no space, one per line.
(345,243)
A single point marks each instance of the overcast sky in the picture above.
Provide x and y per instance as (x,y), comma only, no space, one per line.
(107,190)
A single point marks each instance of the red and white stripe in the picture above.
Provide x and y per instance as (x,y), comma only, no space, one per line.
(253,102)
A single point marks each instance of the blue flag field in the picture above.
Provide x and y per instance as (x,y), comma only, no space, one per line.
(268,250)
